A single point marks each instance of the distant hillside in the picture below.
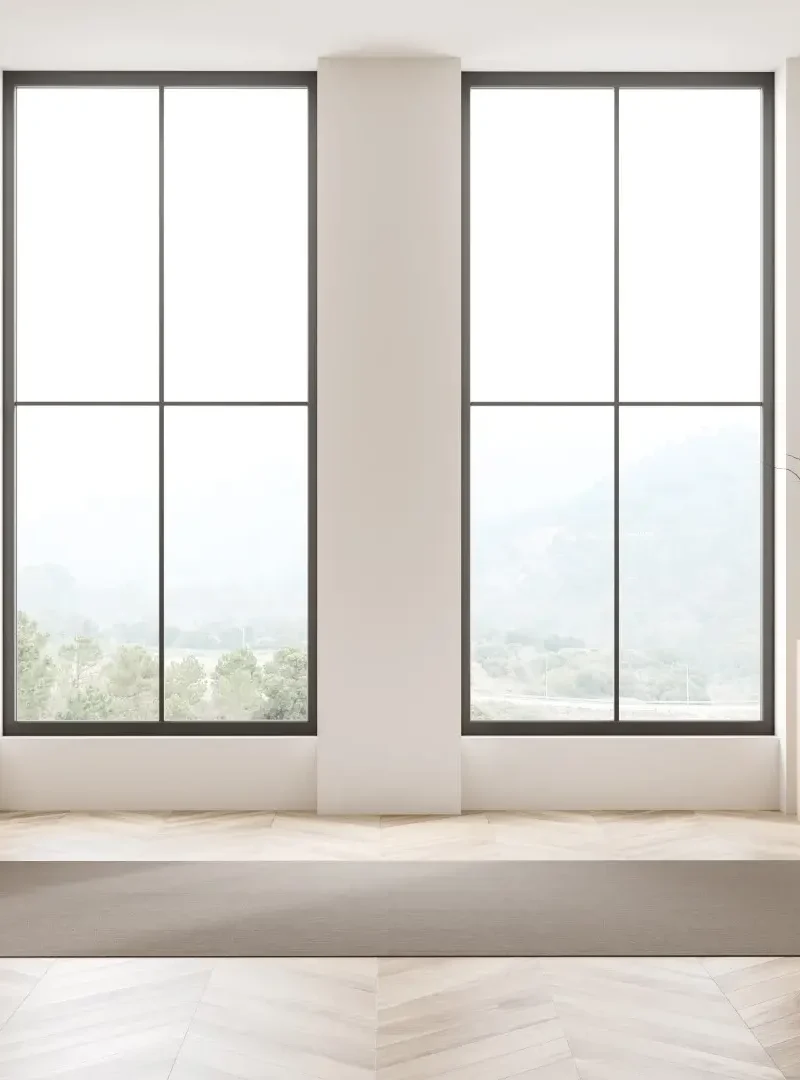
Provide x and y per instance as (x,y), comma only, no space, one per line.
(690,562)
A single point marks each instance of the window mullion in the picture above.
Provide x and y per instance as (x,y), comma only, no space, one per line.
(161,403)
(616,404)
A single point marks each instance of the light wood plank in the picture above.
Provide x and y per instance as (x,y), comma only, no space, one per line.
(398,1019)
(481,837)
(644,1014)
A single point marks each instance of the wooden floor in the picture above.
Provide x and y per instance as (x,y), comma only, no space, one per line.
(408,1019)
(420,1019)
(487,836)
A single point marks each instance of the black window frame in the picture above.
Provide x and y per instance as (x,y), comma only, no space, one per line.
(12,80)
(765,81)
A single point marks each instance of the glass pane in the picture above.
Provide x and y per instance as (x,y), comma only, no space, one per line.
(87,244)
(87,563)
(690,563)
(690,245)
(236,244)
(542,509)
(542,244)
(236,563)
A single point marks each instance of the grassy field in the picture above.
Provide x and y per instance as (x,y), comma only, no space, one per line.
(209,657)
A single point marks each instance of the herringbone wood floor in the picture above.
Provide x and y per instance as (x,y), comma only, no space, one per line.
(409,1019)
(488,836)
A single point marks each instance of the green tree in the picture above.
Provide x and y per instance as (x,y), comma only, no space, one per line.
(83,655)
(238,686)
(36,671)
(132,683)
(285,683)
(184,688)
(87,703)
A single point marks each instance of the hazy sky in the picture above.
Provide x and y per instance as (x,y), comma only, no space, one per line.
(542,244)
(542,330)
(542,285)
(236,302)
(236,245)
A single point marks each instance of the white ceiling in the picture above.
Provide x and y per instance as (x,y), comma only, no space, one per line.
(486,34)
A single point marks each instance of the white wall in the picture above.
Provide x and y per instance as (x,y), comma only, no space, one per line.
(554,773)
(389,318)
(623,772)
(164,773)
(787,422)
(389,249)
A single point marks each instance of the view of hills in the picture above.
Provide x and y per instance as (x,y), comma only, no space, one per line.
(542,595)
(542,584)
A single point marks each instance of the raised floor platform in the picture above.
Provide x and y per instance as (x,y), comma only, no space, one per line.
(484,836)
(418,1018)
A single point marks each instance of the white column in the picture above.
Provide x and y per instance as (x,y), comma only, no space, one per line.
(787,422)
(389,238)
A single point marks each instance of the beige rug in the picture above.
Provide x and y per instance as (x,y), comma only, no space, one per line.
(400,908)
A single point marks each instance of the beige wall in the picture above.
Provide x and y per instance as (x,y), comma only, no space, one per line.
(168,772)
(389,467)
(389,353)
(621,772)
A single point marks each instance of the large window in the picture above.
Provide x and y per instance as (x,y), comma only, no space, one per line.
(618,413)
(159,403)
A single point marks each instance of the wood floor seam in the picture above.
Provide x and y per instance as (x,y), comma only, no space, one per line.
(548,982)
(189,1026)
(22,1001)
(792,1040)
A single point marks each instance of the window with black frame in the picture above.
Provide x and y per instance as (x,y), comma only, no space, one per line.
(159,403)
(618,404)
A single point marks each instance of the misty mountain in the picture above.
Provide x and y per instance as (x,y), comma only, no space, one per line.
(690,557)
